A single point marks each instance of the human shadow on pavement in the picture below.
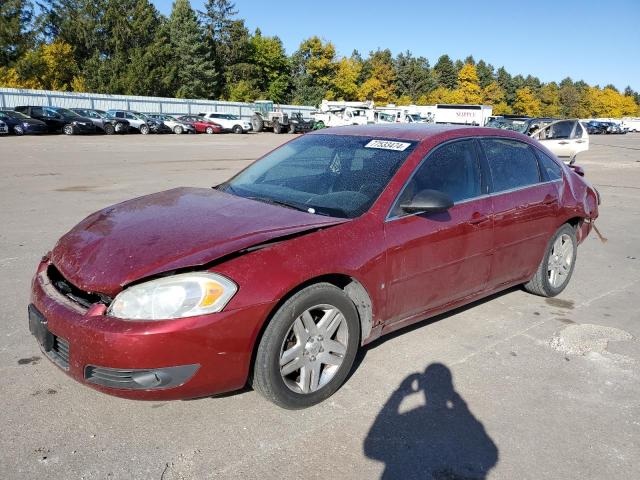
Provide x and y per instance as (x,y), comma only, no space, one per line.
(438,439)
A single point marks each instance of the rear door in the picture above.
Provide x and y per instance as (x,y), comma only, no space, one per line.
(435,259)
(525,205)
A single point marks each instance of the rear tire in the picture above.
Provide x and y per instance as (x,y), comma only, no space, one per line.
(257,123)
(556,268)
(109,129)
(290,358)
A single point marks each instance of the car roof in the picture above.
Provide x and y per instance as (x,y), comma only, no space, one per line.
(419,132)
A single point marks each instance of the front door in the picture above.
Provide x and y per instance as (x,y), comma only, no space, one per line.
(435,259)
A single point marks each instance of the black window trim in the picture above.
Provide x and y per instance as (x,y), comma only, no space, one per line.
(484,185)
(559,163)
(541,177)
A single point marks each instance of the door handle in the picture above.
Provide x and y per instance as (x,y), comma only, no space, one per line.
(563,142)
(579,141)
(478,219)
(549,200)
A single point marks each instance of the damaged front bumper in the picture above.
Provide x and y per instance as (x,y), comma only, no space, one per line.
(145,360)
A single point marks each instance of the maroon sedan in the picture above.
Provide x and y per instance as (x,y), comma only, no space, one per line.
(277,276)
(201,125)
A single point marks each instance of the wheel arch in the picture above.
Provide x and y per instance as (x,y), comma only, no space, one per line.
(352,288)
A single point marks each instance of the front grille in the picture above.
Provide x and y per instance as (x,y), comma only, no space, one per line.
(59,354)
(66,288)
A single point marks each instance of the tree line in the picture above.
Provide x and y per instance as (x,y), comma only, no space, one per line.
(128,47)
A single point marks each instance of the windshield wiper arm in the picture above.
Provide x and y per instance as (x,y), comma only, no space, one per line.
(281,203)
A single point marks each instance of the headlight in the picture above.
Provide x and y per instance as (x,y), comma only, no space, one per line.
(177,296)
(25,125)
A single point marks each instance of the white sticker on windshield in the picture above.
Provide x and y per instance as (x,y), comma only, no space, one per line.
(387,145)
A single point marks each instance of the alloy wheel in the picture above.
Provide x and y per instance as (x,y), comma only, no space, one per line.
(314,348)
(560,261)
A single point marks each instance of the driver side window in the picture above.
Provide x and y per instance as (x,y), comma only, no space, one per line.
(452,168)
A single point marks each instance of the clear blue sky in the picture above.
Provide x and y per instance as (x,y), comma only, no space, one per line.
(597,41)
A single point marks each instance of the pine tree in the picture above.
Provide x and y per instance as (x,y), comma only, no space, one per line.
(413,76)
(195,72)
(446,73)
(227,39)
(15,36)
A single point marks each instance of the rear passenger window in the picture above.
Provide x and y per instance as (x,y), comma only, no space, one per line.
(550,168)
(512,163)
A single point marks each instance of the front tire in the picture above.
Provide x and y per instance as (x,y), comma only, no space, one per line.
(144,129)
(308,347)
(18,130)
(556,268)
(209,130)
(277,128)
(67,129)
(237,129)
(178,130)
(109,129)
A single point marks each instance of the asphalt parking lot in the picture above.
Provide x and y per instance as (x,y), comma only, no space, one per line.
(533,388)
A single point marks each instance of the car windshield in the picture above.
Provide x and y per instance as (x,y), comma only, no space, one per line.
(13,114)
(512,124)
(335,175)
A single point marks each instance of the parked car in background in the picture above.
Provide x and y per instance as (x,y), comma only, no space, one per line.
(228,122)
(565,138)
(103,121)
(59,119)
(520,124)
(137,120)
(275,277)
(201,124)
(595,127)
(4,130)
(178,127)
(20,124)
(299,124)
(614,128)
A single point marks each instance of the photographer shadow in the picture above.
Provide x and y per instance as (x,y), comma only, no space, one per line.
(438,439)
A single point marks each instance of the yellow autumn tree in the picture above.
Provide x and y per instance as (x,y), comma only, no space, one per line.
(380,86)
(469,90)
(550,99)
(494,95)
(49,67)
(526,103)
(345,83)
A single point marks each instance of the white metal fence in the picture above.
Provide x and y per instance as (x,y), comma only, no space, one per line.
(12,97)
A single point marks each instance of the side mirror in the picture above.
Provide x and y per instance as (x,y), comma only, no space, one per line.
(428,201)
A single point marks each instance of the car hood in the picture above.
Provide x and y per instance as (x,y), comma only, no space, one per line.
(179,228)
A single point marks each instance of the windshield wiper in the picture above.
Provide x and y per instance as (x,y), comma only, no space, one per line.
(272,201)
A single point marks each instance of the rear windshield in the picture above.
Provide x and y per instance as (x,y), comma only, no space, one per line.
(335,175)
